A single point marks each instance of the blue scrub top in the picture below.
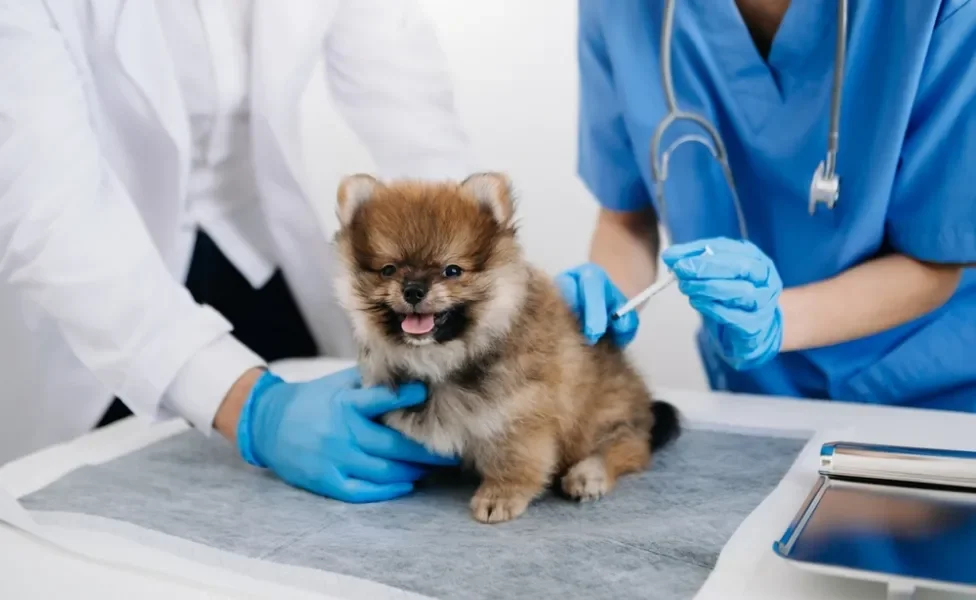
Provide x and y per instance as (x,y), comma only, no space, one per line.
(907,164)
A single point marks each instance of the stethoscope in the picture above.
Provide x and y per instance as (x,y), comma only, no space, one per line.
(825,186)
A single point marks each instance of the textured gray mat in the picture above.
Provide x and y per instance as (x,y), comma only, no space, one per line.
(657,535)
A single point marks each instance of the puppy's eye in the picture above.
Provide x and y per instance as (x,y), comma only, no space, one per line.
(452,271)
(388,271)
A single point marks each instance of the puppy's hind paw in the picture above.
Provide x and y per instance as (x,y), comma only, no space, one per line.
(497,504)
(587,480)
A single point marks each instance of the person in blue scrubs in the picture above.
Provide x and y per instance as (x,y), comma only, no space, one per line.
(872,301)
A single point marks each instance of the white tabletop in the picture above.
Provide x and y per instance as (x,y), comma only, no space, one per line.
(31,567)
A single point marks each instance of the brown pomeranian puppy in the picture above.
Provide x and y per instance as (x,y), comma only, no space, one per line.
(438,291)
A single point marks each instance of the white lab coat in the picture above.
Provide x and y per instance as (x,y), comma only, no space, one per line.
(94,160)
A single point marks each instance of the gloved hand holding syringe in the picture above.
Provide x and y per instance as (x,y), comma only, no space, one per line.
(652,290)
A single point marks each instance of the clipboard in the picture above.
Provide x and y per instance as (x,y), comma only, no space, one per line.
(902,516)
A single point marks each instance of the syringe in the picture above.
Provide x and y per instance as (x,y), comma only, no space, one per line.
(651,291)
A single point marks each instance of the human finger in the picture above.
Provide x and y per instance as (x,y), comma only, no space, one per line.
(380,470)
(624,328)
(723,266)
(745,323)
(384,442)
(347,378)
(593,292)
(732,293)
(375,401)
(676,252)
(569,290)
(357,491)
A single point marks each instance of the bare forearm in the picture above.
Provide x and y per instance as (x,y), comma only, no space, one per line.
(626,246)
(865,300)
(229,413)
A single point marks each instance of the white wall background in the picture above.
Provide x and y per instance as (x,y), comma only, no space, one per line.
(515,67)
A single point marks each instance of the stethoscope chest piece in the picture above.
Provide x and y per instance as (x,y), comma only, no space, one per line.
(824,189)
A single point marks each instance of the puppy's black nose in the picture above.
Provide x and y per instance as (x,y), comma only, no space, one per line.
(414,292)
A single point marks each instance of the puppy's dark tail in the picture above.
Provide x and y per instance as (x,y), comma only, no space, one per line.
(667,424)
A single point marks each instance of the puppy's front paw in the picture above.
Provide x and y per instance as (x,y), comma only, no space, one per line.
(497,503)
(587,479)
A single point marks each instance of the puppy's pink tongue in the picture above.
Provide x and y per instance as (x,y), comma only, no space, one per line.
(418,324)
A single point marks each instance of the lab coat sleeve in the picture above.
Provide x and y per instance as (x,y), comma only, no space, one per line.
(605,160)
(72,242)
(932,212)
(391,83)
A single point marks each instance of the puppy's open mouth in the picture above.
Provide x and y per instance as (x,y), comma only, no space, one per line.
(423,328)
(422,323)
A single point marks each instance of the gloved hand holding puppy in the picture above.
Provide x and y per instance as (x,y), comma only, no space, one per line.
(320,436)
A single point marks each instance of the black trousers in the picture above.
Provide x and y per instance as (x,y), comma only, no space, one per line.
(266,320)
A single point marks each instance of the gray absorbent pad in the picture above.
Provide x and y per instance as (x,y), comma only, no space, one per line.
(657,535)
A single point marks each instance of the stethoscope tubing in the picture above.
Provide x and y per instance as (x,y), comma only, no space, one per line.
(659,161)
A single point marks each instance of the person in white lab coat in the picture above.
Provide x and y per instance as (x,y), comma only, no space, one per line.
(157,242)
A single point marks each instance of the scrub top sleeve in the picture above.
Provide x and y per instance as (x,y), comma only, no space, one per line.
(605,158)
(932,214)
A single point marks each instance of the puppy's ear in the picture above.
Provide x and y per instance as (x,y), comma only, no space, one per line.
(353,191)
(494,191)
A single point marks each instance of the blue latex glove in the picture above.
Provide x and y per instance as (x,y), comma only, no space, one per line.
(593,297)
(320,436)
(736,289)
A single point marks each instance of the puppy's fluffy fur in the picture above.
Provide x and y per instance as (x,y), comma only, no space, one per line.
(514,388)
